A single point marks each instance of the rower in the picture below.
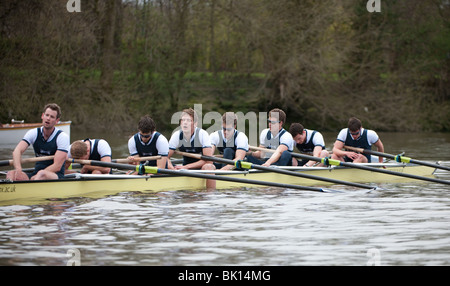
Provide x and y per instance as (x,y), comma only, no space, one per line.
(90,149)
(276,138)
(356,136)
(229,141)
(308,142)
(46,140)
(148,142)
(191,139)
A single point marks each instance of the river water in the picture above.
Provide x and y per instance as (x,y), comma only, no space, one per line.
(400,224)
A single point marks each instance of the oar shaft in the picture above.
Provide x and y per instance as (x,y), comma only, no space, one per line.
(248,165)
(27,160)
(136,159)
(155,170)
(105,164)
(397,158)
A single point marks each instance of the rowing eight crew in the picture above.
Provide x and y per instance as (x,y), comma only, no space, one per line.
(231,143)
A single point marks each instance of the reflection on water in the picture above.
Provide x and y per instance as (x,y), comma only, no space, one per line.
(407,223)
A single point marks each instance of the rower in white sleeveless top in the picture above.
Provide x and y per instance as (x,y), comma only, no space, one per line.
(46,140)
(309,142)
(90,149)
(276,138)
(149,142)
(191,139)
(231,143)
(356,136)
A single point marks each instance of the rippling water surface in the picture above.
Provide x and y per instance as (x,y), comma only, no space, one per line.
(400,224)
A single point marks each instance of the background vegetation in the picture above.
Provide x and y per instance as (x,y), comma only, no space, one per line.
(321,61)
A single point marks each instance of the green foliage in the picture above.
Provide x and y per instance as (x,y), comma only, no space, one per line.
(321,61)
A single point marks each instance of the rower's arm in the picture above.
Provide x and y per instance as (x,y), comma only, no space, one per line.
(317,150)
(240,154)
(67,166)
(108,160)
(276,156)
(213,149)
(199,164)
(17,155)
(380,148)
(58,161)
(169,162)
(316,153)
(337,149)
(258,154)
(161,163)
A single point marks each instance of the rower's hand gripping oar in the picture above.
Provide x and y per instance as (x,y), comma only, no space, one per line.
(247,165)
(397,158)
(141,169)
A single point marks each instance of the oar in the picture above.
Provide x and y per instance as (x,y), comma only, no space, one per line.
(328,161)
(126,160)
(398,158)
(136,159)
(26,160)
(248,165)
(154,170)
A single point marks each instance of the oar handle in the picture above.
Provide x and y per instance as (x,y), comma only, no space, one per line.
(356,149)
(215,158)
(191,155)
(297,155)
(137,159)
(27,160)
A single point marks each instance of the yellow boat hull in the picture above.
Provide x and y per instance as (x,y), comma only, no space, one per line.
(96,186)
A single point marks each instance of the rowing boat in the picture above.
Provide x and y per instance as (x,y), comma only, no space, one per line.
(96,186)
(12,133)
